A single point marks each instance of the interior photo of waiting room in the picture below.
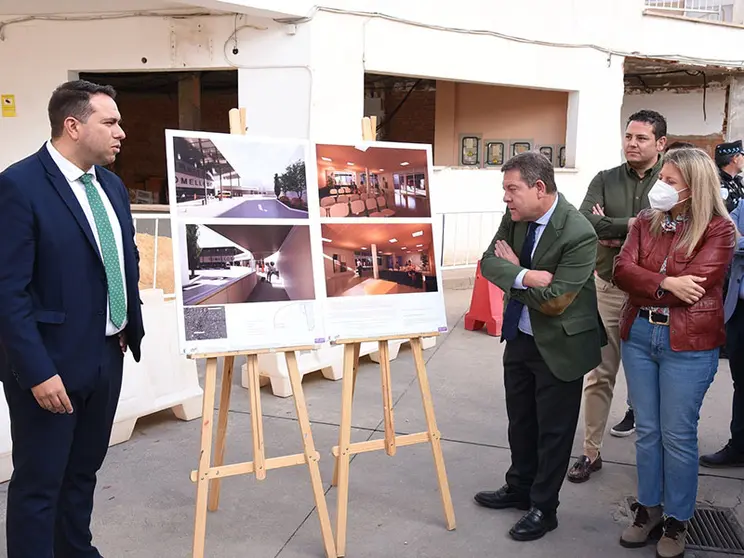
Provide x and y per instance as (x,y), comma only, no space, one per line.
(373,181)
(234,264)
(224,175)
(373,259)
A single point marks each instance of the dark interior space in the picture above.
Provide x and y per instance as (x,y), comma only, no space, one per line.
(150,103)
(405,107)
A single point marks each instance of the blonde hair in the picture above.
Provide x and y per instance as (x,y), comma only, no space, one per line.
(701,175)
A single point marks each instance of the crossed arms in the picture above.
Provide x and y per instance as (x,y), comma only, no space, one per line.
(651,288)
(607,228)
(574,269)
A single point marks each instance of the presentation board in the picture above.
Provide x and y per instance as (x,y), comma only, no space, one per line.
(283,242)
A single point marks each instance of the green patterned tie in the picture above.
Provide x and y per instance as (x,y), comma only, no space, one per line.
(117,303)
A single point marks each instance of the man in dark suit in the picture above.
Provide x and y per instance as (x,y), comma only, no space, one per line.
(69,308)
(552,331)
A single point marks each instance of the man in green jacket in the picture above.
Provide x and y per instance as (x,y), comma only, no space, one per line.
(552,331)
(613,200)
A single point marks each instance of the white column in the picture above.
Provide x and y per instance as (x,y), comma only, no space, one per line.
(738,16)
(338,77)
(294,82)
(572,129)
(274,80)
(181,232)
(375,267)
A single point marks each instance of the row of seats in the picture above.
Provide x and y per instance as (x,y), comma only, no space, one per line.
(343,190)
(371,207)
(328,201)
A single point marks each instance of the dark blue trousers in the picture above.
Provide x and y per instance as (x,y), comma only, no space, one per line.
(55,461)
(735,346)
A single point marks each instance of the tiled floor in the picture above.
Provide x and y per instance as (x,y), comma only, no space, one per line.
(410,206)
(268,292)
(378,287)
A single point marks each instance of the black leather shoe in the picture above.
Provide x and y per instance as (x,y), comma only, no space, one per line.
(727,457)
(503,498)
(534,525)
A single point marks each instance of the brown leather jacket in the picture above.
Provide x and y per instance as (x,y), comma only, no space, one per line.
(697,327)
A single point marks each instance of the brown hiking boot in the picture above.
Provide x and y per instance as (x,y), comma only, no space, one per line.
(672,544)
(646,520)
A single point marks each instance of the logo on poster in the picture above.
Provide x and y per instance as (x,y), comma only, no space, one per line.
(186,181)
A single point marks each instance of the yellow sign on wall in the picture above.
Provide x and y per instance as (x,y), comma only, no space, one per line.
(8,106)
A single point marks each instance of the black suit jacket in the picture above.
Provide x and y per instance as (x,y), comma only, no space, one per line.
(53,287)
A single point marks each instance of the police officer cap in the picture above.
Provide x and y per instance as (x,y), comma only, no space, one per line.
(731,148)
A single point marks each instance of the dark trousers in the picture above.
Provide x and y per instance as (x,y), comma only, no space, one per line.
(55,460)
(543,412)
(735,348)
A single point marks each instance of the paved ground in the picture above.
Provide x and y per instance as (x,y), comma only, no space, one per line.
(145,500)
(264,209)
(259,208)
(269,292)
(205,322)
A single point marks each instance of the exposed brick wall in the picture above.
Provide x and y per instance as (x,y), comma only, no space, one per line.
(414,122)
(141,163)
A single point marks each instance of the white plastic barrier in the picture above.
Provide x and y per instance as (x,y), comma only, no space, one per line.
(329,359)
(163,379)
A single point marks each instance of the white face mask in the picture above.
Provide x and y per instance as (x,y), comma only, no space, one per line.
(663,197)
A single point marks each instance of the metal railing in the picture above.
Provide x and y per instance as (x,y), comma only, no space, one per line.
(465,236)
(711,10)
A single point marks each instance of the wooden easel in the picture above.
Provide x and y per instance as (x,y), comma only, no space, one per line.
(390,443)
(369,128)
(207,477)
(237,119)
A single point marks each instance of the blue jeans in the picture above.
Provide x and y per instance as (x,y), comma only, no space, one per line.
(667,389)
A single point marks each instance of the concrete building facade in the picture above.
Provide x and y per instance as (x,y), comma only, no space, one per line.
(542,74)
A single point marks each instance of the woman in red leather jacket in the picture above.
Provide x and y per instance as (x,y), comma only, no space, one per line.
(672,267)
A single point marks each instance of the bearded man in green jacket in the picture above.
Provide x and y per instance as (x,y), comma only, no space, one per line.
(553,336)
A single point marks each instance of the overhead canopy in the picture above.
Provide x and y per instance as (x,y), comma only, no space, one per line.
(261,240)
(203,154)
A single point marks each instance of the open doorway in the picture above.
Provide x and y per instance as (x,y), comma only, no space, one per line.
(150,103)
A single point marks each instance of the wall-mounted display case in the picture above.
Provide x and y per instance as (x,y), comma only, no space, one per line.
(520,146)
(494,152)
(470,150)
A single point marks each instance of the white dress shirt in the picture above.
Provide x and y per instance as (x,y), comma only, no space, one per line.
(524,319)
(73,174)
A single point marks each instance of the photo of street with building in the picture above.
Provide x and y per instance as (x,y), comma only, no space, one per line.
(224,175)
(234,264)
(370,181)
(374,259)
